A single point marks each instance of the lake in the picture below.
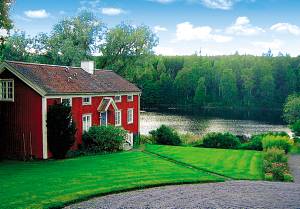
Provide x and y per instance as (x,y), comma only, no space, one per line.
(202,123)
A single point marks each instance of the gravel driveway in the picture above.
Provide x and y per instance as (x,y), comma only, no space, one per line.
(230,194)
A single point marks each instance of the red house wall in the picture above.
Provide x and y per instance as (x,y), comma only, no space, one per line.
(78,110)
(21,121)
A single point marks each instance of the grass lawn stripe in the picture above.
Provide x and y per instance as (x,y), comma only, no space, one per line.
(56,183)
(236,164)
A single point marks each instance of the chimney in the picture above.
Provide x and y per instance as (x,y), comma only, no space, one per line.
(88,66)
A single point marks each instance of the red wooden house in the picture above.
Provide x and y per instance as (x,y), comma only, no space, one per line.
(97,97)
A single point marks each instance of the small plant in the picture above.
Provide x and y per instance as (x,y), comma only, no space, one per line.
(269,177)
(287,177)
(166,136)
(104,139)
(220,140)
(61,129)
(296,128)
(280,142)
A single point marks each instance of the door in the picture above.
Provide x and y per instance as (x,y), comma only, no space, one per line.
(103,118)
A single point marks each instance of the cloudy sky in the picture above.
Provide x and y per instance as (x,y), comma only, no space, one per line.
(183,26)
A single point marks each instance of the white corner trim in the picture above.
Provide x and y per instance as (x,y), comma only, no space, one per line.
(44,128)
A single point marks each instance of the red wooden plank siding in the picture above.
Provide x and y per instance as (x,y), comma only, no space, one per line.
(21,122)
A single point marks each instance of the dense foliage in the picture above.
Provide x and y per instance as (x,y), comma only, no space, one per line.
(275,165)
(291,111)
(104,139)
(166,135)
(281,142)
(221,140)
(60,129)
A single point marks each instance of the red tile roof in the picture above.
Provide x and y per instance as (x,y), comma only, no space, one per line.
(55,79)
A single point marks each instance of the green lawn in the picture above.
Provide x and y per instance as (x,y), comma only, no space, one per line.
(54,183)
(236,164)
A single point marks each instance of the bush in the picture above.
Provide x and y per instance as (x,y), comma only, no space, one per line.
(296,128)
(166,136)
(275,163)
(269,177)
(288,177)
(60,129)
(280,142)
(220,140)
(104,139)
(146,139)
(255,142)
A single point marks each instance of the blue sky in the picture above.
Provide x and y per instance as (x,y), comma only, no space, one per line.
(183,26)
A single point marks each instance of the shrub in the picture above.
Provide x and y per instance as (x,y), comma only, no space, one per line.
(220,140)
(275,163)
(296,128)
(255,142)
(60,129)
(165,135)
(146,139)
(281,142)
(269,177)
(104,139)
(288,177)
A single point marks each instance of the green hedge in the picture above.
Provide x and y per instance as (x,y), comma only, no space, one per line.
(221,140)
(166,136)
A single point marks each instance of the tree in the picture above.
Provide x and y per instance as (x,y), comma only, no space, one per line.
(5,23)
(60,129)
(228,89)
(125,44)
(74,39)
(291,110)
(200,94)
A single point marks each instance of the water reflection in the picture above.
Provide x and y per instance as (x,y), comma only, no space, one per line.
(201,125)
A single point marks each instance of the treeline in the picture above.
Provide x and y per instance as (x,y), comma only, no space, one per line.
(178,81)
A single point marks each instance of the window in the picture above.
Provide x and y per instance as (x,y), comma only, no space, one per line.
(130,98)
(86,122)
(118,98)
(7,90)
(86,100)
(117,117)
(67,101)
(130,116)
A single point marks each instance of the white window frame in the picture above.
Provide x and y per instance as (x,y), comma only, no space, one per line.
(87,126)
(87,103)
(130,116)
(68,98)
(128,97)
(12,99)
(118,119)
(120,98)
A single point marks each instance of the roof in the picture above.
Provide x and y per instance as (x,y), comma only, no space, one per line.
(105,103)
(54,79)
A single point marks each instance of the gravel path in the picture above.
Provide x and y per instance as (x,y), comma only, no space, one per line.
(230,194)
(294,163)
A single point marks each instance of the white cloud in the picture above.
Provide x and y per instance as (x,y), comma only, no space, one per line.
(187,32)
(159,50)
(286,27)
(275,44)
(37,13)
(243,27)
(112,11)
(3,33)
(218,4)
(159,28)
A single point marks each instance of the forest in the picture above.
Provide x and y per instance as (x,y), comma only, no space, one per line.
(236,81)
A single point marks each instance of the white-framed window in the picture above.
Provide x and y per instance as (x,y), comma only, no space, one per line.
(130,98)
(67,100)
(86,122)
(118,118)
(118,98)
(7,90)
(130,116)
(86,100)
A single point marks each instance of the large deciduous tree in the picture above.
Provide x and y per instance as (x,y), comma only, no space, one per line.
(5,23)
(124,44)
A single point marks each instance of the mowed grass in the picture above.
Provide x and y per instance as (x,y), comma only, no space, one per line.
(54,183)
(236,164)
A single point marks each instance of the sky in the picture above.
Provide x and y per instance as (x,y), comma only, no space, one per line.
(212,27)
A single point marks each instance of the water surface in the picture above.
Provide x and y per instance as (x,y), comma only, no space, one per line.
(199,124)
